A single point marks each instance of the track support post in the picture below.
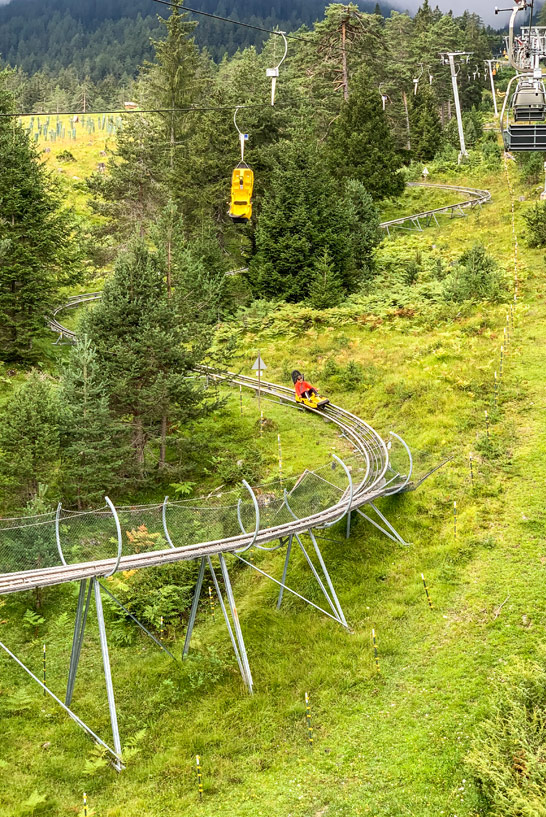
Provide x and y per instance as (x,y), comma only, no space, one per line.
(77,641)
(107,672)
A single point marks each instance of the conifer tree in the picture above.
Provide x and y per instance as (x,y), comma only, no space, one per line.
(426,128)
(364,232)
(29,437)
(37,255)
(326,289)
(302,214)
(361,144)
(343,38)
(128,196)
(146,344)
(171,81)
(93,447)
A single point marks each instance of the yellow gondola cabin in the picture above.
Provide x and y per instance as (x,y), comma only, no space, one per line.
(242,183)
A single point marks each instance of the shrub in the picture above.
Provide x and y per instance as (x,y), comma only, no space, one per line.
(149,594)
(475,276)
(535,219)
(66,156)
(491,151)
(531,166)
(508,755)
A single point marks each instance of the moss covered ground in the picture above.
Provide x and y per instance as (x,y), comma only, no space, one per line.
(388,743)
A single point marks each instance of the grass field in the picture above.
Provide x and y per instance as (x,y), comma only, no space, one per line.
(385,744)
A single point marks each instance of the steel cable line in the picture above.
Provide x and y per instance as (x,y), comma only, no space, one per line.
(246,25)
(189,109)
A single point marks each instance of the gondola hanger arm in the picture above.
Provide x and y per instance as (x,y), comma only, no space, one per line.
(243,137)
(273,73)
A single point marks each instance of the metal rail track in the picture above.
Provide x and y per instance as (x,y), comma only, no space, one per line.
(363,437)
(475,198)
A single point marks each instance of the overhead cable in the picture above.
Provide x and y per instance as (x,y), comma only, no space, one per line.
(189,109)
(244,25)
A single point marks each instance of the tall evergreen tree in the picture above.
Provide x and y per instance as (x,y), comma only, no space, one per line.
(326,289)
(37,253)
(93,447)
(302,215)
(365,235)
(29,438)
(426,128)
(361,144)
(129,195)
(171,81)
(146,345)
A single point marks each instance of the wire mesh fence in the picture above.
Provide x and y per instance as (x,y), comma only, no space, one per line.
(74,537)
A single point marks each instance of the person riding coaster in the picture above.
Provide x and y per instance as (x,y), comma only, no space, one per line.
(306,393)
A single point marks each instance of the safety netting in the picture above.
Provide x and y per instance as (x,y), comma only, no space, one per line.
(72,537)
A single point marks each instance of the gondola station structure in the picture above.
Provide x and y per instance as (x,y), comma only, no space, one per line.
(523,115)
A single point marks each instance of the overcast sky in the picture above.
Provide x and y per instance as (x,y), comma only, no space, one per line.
(485,8)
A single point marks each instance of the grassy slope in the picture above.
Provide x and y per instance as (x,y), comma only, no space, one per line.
(418,200)
(392,744)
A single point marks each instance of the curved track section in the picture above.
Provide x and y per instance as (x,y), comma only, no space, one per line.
(474,198)
(376,477)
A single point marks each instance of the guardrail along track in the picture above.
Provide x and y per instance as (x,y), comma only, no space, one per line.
(475,198)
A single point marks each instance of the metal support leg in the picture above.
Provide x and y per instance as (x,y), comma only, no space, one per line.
(284,572)
(135,619)
(388,524)
(194,606)
(236,624)
(226,618)
(319,580)
(107,672)
(348,531)
(77,641)
(69,712)
(328,579)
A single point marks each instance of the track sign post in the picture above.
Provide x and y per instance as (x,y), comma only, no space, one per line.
(259,366)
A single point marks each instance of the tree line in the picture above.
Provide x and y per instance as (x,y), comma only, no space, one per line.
(103,39)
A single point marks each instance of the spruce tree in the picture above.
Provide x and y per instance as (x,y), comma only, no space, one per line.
(361,144)
(93,448)
(302,215)
(128,196)
(146,345)
(326,289)
(37,253)
(171,81)
(29,437)
(364,232)
(426,128)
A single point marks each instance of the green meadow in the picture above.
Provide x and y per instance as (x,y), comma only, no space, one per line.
(400,741)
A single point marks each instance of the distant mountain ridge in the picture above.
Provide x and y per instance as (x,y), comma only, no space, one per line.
(101,37)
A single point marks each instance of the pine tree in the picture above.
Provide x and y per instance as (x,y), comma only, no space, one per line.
(426,128)
(37,253)
(146,344)
(29,437)
(129,195)
(343,38)
(326,289)
(302,214)
(93,447)
(361,144)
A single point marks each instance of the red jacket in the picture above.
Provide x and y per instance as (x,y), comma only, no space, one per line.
(301,386)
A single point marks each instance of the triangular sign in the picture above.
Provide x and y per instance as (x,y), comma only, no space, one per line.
(258,364)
